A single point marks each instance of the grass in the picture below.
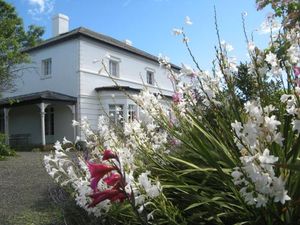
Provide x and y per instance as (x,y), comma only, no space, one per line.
(48,216)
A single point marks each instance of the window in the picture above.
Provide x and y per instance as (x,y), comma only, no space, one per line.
(116,114)
(49,121)
(150,77)
(46,67)
(131,113)
(113,68)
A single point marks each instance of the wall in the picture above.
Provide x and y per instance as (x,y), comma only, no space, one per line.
(63,123)
(132,71)
(64,78)
(30,114)
(132,67)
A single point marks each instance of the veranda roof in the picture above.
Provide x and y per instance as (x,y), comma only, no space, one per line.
(38,97)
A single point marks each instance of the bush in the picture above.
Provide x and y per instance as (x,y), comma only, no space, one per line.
(5,150)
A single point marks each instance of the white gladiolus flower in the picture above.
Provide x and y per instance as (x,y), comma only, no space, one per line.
(251,46)
(271,123)
(177,31)
(272,59)
(57,145)
(75,123)
(152,190)
(226,46)
(65,141)
(186,40)
(188,20)
(294,53)
(296,126)
(269,25)
(257,165)
(186,69)
(267,158)
(279,193)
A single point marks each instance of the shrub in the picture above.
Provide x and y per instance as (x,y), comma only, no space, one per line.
(5,150)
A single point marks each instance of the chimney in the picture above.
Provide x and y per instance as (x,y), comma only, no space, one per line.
(60,24)
(128,42)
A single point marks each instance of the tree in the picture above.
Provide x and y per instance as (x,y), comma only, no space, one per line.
(13,40)
(247,86)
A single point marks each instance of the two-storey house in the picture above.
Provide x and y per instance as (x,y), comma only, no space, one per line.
(66,80)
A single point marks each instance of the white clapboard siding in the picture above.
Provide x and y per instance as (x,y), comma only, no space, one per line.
(132,68)
(64,77)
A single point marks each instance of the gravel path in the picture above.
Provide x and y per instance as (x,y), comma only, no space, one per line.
(24,185)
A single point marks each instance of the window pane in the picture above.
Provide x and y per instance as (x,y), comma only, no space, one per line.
(116,114)
(131,112)
(150,77)
(46,67)
(113,68)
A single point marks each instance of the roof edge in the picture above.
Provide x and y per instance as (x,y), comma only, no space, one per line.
(82,31)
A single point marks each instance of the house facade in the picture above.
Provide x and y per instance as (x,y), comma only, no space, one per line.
(76,74)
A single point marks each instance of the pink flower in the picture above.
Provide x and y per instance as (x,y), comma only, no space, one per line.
(108,154)
(176,97)
(296,71)
(98,171)
(111,194)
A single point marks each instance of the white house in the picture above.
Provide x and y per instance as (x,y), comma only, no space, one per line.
(65,82)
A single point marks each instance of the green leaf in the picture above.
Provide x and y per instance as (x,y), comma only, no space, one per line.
(292,166)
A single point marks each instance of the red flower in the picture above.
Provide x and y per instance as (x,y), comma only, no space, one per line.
(111,194)
(98,171)
(113,179)
(108,154)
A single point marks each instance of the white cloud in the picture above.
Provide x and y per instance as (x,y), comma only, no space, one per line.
(40,8)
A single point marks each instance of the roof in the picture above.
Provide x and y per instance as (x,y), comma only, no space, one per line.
(81,31)
(38,97)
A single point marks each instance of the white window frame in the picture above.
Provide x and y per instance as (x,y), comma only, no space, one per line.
(46,68)
(150,80)
(114,61)
(132,112)
(114,116)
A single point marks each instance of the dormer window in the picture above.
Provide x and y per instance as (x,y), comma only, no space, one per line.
(113,68)
(150,77)
(46,67)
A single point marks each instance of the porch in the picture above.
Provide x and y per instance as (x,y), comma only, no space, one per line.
(38,118)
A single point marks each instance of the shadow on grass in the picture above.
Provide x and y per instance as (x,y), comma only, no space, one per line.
(43,212)
(56,208)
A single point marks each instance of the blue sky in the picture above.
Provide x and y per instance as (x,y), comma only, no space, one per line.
(149,23)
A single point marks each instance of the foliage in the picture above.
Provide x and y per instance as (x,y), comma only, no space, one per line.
(5,150)
(247,87)
(289,10)
(13,40)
